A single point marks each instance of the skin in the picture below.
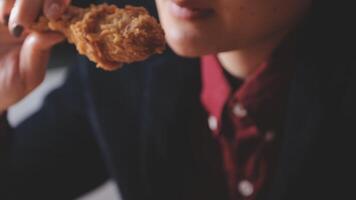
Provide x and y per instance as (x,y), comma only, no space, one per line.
(243,33)
(250,29)
(23,59)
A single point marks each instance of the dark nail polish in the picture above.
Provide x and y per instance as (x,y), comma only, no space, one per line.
(17,31)
(6,19)
(38,17)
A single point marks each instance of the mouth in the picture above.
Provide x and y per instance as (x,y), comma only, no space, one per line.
(185,11)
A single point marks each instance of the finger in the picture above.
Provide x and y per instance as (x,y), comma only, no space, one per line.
(10,69)
(5,10)
(23,15)
(34,57)
(53,9)
(11,85)
(6,39)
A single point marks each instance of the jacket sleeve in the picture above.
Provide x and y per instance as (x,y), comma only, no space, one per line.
(52,155)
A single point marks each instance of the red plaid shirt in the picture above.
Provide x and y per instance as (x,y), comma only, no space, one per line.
(247,122)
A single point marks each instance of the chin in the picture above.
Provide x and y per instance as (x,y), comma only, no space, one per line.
(190,48)
(186,51)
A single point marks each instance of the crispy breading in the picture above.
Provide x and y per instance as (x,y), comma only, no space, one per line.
(108,35)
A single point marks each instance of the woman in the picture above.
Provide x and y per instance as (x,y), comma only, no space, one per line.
(264,115)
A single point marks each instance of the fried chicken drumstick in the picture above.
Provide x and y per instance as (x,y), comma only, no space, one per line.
(108,35)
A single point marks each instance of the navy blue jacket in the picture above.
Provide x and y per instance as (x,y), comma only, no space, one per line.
(138,126)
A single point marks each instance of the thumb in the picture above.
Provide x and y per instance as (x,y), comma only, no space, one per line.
(53,9)
(34,57)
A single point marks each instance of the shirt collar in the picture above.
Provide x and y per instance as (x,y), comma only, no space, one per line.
(262,96)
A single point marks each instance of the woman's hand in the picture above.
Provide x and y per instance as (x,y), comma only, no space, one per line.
(23,54)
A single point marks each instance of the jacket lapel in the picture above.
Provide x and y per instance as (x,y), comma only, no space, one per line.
(172,89)
(304,114)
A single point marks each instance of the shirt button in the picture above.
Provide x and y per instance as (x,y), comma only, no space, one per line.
(245,188)
(213,123)
(239,110)
(269,136)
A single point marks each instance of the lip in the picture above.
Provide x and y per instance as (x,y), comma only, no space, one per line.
(189,12)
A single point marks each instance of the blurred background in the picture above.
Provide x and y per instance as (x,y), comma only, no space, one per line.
(62,57)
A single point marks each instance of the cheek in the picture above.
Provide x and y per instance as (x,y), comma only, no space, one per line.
(239,21)
(251,21)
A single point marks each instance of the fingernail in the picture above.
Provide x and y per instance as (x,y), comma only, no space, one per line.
(38,17)
(54,10)
(17,30)
(6,19)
